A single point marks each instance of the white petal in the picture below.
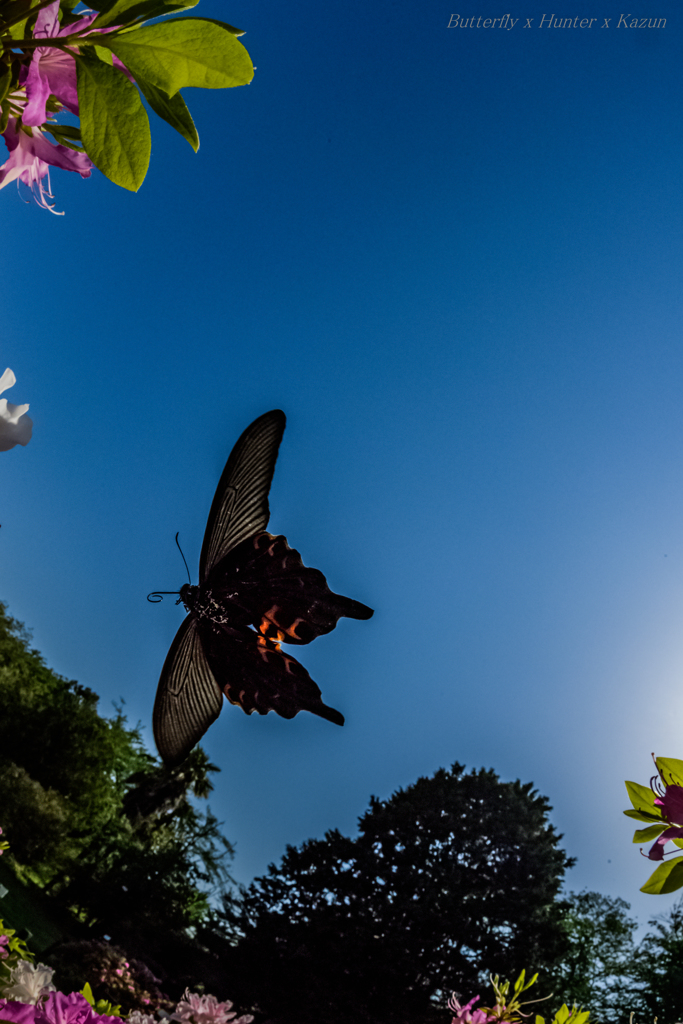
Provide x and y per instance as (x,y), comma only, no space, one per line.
(8,380)
(15,426)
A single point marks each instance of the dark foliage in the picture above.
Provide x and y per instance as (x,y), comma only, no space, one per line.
(110,974)
(597,966)
(658,970)
(110,834)
(451,878)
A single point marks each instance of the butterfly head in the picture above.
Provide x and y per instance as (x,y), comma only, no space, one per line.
(188,595)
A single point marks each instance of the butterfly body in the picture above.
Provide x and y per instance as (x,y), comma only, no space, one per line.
(254,593)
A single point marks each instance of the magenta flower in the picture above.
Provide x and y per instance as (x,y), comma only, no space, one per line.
(51,70)
(465,1014)
(668,797)
(4,946)
(18,1013)
(72,1009)
(30,160)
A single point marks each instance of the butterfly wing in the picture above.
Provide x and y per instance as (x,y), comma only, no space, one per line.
(188,698)
(257,675)
(240,505)
(267,584)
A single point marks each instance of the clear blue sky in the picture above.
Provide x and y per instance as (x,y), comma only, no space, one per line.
(453,257)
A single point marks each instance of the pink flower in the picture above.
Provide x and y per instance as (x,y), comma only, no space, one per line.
(669,797)
(51,70)
(18,1013)
(465,1014)
(207,1010)
(4,943)
(30,158)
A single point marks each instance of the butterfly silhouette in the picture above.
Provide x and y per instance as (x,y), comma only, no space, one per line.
(247,578)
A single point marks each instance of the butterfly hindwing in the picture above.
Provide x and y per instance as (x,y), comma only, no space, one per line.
(188,698)
(257,675)
(240,504)
(286,600)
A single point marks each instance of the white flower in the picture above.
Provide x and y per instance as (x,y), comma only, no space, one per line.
(15,426)
(138,1017)
(29,982)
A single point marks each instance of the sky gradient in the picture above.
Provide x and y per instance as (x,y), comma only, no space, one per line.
(453,257)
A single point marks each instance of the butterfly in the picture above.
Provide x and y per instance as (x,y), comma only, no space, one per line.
(254,594)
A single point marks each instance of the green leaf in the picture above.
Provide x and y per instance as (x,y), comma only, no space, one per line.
(114,123)
(5,80)
(183,52)
(667,878)
(18,15)
(643,799)
(671,770)
(642,815)
(86,992)
(123,12)
(171,109)
(105,55)
(644,835)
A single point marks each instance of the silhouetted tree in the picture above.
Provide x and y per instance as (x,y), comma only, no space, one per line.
(658,971)
(451,878)
(99,823)
(596,970)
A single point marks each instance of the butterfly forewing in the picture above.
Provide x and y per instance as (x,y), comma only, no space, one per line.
(188,699)
(240,505)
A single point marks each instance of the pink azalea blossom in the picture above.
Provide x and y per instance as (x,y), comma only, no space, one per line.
(465,1014)
(59,1008)
(51,70)
(4,943)
(31,157)
(197,1009)
(669,797)
(15,426)
(18,1013)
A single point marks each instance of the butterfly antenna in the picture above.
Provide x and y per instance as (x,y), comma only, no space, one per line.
(189,578)
(158,595)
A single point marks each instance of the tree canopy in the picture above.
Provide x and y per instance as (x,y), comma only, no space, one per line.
(455,876)
(95,820)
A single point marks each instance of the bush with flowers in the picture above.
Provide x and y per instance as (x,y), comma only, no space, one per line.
(507,1008)
(29,996)
(111,975)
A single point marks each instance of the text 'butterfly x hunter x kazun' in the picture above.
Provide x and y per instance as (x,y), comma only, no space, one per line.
(247,578)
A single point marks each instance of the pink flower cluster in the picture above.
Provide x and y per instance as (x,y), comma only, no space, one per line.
(51,72)
(196,1009)
(669,798)
(56,1009)
(465,1014)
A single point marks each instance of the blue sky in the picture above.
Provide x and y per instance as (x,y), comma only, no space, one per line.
(453,257)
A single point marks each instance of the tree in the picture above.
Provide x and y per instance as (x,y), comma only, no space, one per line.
(105,829)
(658,970)
(597,966)
(451,878)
